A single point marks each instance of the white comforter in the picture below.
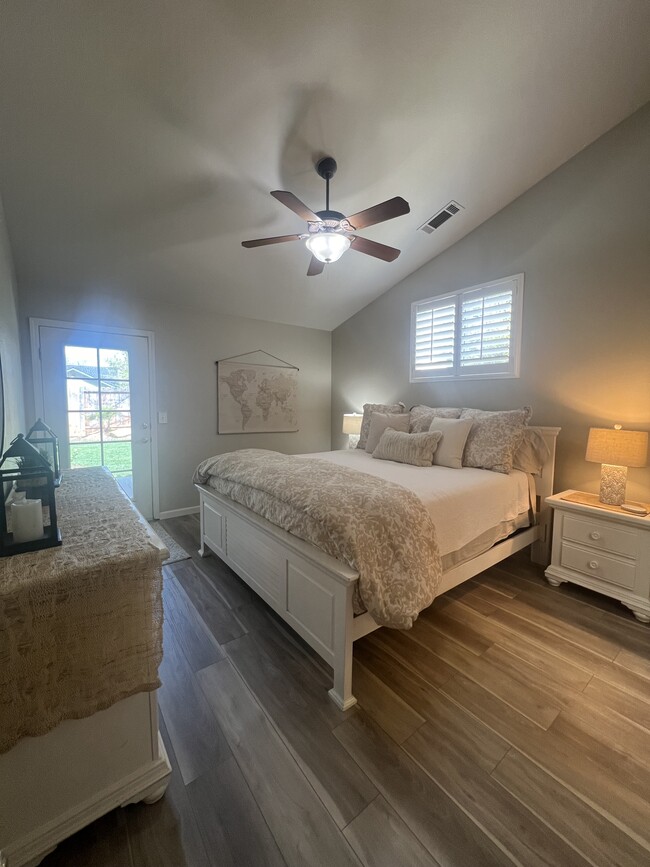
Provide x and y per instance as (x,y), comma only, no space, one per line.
(463,504)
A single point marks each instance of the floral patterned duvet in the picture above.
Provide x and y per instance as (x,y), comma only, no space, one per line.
(378,528)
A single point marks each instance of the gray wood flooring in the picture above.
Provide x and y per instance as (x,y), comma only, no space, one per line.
(510,726)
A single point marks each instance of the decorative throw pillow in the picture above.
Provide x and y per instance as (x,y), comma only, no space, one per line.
(368,409)
(406,448)
(422,416)
(532,454)
(379,421)
(454,436)
(494,438)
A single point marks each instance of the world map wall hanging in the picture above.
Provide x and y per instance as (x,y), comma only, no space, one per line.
(255,397)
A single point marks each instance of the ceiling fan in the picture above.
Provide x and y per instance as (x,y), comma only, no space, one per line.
(329,233)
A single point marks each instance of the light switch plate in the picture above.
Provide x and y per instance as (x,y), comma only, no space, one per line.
(162,418)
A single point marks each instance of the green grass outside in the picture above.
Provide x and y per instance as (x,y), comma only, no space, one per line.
(117,456)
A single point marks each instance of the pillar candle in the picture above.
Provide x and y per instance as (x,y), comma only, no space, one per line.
(27,520)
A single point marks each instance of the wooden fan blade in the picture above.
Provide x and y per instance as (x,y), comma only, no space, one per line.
(387,210)
(262,242)
(316,267)
(293,203)
(372,248)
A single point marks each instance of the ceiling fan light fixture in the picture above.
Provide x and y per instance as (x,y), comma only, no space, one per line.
(328,246)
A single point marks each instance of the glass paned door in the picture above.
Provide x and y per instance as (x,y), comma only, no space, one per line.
(95,393)
(99,410)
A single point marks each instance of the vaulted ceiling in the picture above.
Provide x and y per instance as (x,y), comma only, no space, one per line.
(139,140)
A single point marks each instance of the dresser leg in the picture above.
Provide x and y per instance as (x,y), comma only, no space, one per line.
(554,582)
(639,613)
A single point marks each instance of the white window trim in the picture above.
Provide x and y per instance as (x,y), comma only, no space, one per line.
(454,373)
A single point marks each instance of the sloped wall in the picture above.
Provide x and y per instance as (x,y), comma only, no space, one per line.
(581,237)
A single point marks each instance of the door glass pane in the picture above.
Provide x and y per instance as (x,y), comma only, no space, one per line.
(116,394)
(81,361)
(114,364)
(85,455)
(116,425)
(117,457)
(84,427)
(99,416)
(83,394)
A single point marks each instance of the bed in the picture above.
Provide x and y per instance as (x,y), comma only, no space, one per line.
(480,517)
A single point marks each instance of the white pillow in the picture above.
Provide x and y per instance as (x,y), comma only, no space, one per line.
(379,421)
(454,436)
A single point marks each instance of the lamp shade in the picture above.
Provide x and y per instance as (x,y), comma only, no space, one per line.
(352,423)
(328,246)
(622,448)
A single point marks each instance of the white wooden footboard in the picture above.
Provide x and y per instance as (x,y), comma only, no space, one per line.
(312,591)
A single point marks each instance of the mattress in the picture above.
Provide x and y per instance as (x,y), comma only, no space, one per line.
(471,509)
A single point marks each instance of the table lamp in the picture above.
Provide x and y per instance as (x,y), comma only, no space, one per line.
(352,427)
(616,450)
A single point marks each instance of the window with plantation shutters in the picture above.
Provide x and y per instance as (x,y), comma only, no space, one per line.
(470,334)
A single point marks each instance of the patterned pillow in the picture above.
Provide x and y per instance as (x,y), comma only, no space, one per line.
(379,421)
(494,438)
(406,448)
(368,409)
(422,416)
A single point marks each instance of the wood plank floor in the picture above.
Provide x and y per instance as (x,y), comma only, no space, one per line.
(511,725)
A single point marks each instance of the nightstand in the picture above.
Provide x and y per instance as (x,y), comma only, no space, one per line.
(607,550)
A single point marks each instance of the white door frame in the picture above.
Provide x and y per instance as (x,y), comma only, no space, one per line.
(37,380)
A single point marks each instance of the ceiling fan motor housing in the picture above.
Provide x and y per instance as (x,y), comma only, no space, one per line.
(330,217)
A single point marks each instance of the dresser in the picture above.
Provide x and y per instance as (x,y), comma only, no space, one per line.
(80,643)
(607,550)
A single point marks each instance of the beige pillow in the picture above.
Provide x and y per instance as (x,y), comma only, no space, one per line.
(379,421)
(422,416)
(532,454)
(494,438)
(406,448)
(368,409)
(452,445)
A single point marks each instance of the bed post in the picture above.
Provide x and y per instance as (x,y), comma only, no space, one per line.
(540,551)
(341,692)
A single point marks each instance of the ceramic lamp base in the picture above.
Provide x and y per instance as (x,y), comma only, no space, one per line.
(613,480)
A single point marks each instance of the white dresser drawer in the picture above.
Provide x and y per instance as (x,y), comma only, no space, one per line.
(598,565)
(601,535)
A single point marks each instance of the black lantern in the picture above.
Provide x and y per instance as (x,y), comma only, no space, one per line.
(24,525)
(43,438)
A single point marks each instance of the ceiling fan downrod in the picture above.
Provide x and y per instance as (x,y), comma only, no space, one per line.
(326,168)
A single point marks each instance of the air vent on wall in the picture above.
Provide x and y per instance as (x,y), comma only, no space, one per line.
(441,217)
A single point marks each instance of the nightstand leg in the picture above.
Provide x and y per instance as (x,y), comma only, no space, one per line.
(554,582)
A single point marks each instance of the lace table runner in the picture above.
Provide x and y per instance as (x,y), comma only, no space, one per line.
(80,625)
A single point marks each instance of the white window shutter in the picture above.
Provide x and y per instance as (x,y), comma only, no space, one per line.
(473,333)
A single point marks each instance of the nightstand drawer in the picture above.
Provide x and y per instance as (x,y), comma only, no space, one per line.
(598,565)
(601,534)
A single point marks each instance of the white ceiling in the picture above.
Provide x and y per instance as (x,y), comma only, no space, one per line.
(139,140)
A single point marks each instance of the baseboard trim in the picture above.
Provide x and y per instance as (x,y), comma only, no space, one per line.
(177,513)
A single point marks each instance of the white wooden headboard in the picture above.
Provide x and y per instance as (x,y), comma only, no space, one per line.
(541,549)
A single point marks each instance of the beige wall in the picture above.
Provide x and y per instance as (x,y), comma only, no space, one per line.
(9,347)
(581,236)
(187,345)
